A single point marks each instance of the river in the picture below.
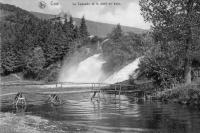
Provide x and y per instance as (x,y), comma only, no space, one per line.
(79,114)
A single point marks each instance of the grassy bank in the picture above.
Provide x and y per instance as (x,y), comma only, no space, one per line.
(184,94)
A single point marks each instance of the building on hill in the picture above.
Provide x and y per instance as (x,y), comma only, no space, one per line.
(61,18)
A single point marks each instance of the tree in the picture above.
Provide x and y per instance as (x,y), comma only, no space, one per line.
(120,49)
(10,53)
(68,29)
(71,23)
(83,29)
(116,33)
(175,22)
(76,33)
(34,63)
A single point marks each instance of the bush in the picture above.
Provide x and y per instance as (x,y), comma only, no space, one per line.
(186,93)
(50,73)
(163,67)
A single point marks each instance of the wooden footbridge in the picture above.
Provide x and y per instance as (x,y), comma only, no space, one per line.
(54,88)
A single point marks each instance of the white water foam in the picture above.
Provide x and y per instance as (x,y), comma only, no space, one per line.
(124,73)
(90,71)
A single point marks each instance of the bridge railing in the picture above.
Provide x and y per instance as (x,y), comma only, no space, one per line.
(62,83)
(53,87)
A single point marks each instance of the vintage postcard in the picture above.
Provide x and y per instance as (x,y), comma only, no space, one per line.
(100,66)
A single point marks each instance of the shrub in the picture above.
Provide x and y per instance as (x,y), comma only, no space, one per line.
(162,66)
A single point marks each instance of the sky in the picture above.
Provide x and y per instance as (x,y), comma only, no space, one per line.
(125,12)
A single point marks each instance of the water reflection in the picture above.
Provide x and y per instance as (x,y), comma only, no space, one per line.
(110,114)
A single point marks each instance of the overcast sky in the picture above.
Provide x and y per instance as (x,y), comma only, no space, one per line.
(126,12)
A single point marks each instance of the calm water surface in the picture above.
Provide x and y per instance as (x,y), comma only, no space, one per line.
(79,114)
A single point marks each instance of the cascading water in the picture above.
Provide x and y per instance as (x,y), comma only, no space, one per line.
(90,71)
(124,73)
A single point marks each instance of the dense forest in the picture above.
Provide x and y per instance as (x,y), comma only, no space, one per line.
(29,44)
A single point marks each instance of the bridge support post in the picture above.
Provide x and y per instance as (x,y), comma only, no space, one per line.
(120,88)
(93,86)
(99,90)
(93,90)
(115,91)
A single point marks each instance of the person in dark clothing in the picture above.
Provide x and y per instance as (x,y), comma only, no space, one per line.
(53,98)
(19,99)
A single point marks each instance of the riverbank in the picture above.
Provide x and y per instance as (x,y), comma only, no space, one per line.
(185,94)
(182,94)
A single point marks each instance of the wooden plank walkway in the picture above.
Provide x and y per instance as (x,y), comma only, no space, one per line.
(61,84)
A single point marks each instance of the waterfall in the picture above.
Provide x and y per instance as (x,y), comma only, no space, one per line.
(90,71)
(124,73)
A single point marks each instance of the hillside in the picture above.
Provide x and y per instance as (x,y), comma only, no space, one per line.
(95,28)
(6,10)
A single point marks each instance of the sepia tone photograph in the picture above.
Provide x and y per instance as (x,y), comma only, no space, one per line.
(99,66)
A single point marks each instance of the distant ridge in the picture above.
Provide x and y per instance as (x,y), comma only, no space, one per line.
(95,28)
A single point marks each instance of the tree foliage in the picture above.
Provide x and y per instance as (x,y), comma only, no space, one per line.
(121,48)
(116,33)
(35,62)
(29,44)
(83,29)
(176,31)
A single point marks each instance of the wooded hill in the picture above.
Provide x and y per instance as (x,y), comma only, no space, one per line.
(30,45)
(95,28)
